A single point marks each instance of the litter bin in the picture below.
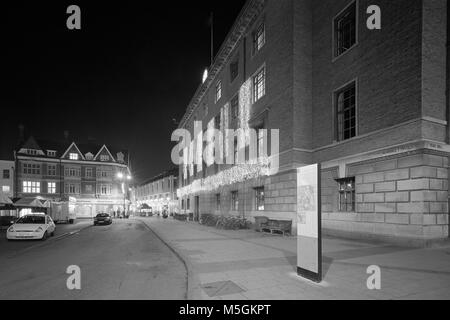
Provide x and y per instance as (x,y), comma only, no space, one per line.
(259,220)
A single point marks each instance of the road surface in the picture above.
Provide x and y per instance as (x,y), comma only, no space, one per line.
(122,261)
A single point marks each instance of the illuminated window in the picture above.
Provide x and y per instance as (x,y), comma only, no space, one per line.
(259,38)
(6,189)
(31,187)
(259,85)
(346,195)
(73,156)
(345,30)
(218,90)
(346,112)
(51,187)
(234,201)
(259,199)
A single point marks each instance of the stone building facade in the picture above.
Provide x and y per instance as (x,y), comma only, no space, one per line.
(370,106)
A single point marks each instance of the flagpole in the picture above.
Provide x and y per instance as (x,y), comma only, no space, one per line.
(212,38)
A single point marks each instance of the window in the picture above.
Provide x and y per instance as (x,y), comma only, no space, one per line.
(6,174)
(259,85)
(234,201)
(105,190)
(347,195)
(218,201)
(217,121)
(31,187)
(218,90)
(51,187)
(188,205)
(236,152)
(345,30)
(51,170)
(89,188)
(346,112)
(89,156)
(72,189)
(104,158)
(182,204)
(51,153)
(29,168)
(89,173)
(235,108)
(31,152)
(6,189)
(73,156)
(259,38)
(234,70)
(261,143)
(72,172)
(259,197)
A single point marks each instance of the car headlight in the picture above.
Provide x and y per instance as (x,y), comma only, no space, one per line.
(11,229)
(39,229)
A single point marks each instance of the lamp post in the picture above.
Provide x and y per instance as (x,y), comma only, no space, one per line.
(124,178)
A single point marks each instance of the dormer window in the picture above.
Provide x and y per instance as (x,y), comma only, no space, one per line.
(73,156)
(51,153)
(104,158)
(31,152)
(89,156)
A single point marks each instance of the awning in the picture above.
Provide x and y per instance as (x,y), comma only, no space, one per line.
(144,207)
(4,200)
(28,203)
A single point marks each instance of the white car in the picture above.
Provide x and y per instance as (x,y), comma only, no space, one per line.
(31,227)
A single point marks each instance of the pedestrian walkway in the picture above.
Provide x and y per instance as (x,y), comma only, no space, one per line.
(245,264)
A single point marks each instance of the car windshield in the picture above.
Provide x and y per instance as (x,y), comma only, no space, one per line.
(31,220)
(102,215)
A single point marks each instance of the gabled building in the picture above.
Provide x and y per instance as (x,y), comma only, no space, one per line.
(88,173)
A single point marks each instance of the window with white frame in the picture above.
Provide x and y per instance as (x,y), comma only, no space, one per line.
(105,190)
(235,201)
(345,30)
(89,173)
(89,188)
(259,37)
(31,187)
(218,90)
(51,153)
(345,101)
(73,156)
(72,189)
(259,84)
(51,187)
(51,170)
(259,199)
(104,158)
(30,168)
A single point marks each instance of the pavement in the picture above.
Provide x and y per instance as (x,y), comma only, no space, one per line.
(118,262)
(247,265)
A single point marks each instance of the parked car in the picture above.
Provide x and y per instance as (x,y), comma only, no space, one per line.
(32,227)
(103,218)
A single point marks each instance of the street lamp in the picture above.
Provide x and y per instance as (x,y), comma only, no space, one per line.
(122,178)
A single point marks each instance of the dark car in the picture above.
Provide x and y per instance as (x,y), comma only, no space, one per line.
(103,218)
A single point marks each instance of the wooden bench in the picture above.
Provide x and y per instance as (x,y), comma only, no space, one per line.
(282,227)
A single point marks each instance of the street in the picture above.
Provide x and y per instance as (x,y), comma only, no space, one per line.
(122,261)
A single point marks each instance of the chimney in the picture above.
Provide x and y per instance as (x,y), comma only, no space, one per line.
(66,135)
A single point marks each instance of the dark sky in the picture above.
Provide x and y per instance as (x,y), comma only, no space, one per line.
(121,79)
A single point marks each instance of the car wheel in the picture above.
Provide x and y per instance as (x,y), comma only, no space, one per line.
(52,234)
(44,237)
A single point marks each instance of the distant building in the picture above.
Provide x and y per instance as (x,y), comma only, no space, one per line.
(369,105)
(159,193)
(7,178)
(89,173)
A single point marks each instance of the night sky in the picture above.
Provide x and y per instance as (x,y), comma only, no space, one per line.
(131,69)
